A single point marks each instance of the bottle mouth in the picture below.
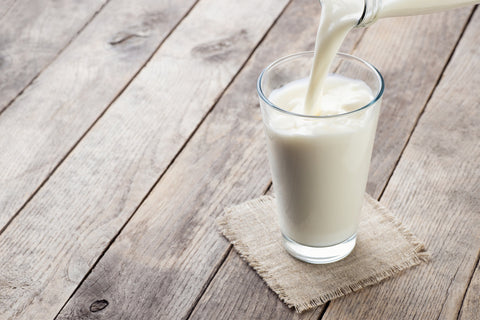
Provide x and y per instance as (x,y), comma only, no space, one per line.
(370,13)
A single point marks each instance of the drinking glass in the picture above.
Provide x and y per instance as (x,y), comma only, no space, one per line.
(319,164)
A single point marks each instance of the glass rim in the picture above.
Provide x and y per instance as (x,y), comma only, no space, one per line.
(345,55)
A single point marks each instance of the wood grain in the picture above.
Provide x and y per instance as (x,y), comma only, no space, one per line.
(32,33)
(171,246)
(471,303)
(48,119)
(47,250)
(250,299)
(435,192)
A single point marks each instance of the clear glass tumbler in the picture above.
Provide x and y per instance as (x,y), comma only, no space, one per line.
(320,174)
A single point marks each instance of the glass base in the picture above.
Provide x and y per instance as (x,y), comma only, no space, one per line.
(319,255)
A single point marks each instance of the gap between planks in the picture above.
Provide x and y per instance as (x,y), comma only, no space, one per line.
(9,103)
(62,159)
(459,314)
(7,10)
(268,189)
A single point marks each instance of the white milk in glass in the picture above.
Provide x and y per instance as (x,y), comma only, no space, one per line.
(320,168)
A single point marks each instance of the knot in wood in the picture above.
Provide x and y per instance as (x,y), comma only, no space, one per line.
(219,50)
(125,37)
(98,305)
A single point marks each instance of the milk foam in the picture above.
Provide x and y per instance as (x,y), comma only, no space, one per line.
(320,166)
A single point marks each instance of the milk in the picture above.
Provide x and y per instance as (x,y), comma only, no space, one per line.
(320,166)
(337,19)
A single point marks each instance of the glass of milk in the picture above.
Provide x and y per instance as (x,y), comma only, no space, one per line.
(319,163)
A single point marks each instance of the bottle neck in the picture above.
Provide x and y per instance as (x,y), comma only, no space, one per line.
(370,13)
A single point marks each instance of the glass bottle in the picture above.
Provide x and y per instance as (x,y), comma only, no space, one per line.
(376,9)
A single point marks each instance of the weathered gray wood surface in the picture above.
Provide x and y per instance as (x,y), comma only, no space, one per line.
(249,299)
(51,245)
(182,141)
(434,191)
(32,33)
(49,118)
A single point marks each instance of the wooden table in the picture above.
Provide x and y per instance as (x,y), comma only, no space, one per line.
(127,126)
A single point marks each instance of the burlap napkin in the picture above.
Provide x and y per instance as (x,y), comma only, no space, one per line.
(384,248)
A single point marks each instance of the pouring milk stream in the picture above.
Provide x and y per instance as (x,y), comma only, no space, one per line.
(340,16)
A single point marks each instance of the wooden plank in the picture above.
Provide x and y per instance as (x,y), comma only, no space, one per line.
(48,119)
(230,166)
(170,248)
(410,53)
(47,250)
(32,33)
(434,191)
(471,306)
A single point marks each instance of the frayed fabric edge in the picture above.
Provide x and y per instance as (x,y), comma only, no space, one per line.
(420,256)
